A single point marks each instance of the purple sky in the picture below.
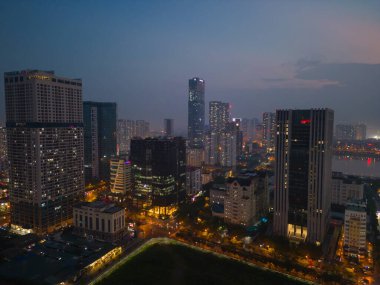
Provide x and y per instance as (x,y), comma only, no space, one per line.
(257,55)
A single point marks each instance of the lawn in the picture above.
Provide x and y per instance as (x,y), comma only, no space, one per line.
(178,264)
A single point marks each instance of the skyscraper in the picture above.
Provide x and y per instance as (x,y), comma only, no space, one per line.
(122,137)
(196,112)
(45,148)
(99,139)
(302,195)
(220,141)
(3,148)
(159,171)
(142,129)
(168,127)
(269,126)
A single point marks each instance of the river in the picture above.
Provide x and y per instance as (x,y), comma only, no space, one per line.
(357,166)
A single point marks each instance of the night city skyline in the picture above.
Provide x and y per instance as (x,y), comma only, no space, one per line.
(189,142)
(259,56)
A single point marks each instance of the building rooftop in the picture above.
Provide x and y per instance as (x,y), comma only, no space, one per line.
(357,206)
(113,209)
(51,261)
(101,206)
(242,180)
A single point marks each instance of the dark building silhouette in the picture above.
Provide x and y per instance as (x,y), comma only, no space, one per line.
(302,195)
(99,139)
(159,173)
(169,127)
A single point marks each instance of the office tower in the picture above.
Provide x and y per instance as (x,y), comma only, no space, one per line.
(45,148)
(346,188)
(3,148)
(237,129)
(99,139)
(360,132)
(302,196)
(355,229)
(120,176)
(159,170)
(142,129)
(196,112)
(169,127)
(344,132)
(269,126)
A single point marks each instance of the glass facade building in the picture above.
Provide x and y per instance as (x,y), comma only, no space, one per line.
(196,112)
(99,139)
(303,175)
(159,173)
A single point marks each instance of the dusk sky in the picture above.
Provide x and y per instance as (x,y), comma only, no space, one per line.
(257,55)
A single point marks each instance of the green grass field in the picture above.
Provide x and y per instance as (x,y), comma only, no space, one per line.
(177,264)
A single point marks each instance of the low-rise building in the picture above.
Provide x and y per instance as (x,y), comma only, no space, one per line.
(193,180)
(246,199)
(355,225)
(103,221)
(345,188)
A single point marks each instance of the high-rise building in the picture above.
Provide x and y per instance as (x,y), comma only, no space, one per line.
(344,132)
(99,139)
(142,129)
(346,188)
(194,157)
(159,171)
(196,112)
(230,145)
(302,195)
(248,127)
(120,177)
(45,148)
(169,127)
(360,132)
(269,127)
(3,148)
(122,141)
(193,180)
(219,115)
(355,229)
(218,138)
(350,132)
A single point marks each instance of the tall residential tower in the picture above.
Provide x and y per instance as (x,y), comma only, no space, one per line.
(45,148)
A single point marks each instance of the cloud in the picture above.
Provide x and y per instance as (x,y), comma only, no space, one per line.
(287,76)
